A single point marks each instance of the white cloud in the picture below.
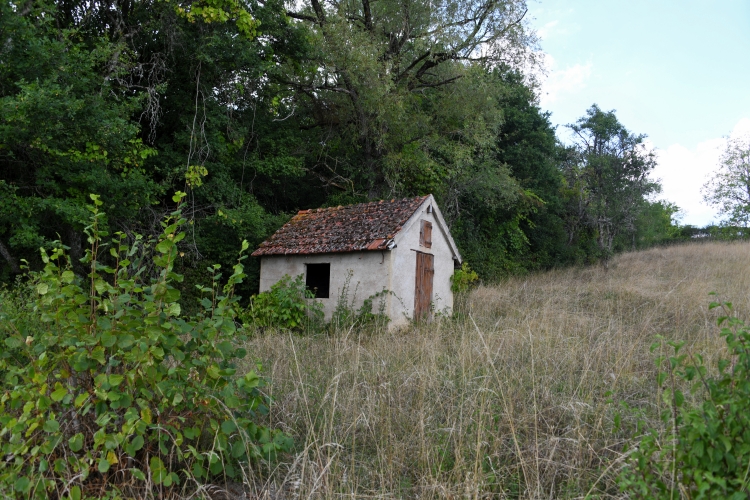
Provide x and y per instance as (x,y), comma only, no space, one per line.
(563,81)
(683,172)
(545,30)
(742,129)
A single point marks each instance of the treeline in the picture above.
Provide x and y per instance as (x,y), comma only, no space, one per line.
(259,108)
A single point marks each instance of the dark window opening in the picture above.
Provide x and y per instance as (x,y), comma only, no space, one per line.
(318,279)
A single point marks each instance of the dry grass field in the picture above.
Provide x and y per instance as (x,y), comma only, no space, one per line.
(515,398)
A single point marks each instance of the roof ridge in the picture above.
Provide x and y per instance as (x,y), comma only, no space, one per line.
(362,203)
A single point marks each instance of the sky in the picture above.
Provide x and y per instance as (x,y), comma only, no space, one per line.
(675,70)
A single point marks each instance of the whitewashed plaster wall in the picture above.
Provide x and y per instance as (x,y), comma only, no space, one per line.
(370,275)
(374,271)
(403,278)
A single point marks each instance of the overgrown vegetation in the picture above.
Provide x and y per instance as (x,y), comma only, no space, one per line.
(118,372)
(542,389)
(287,305)
(323,108)
(706,451)
(106,385)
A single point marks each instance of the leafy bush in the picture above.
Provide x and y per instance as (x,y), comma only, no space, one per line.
(286,305)
(118,389)
(463,279)
(707,452)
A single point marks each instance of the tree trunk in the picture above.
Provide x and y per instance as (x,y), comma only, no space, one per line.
(12,262)
(76,251)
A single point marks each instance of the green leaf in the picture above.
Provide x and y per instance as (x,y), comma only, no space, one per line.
(158,471)
(173,309)
(98,355)
(146,415)
(75,493)
(199,471)
(13,342)
(192,432)
(59,393)
(22,484)
(51,426)
(104,465)
(238,449)
(228,427)
(213,371)
(108,340)
(125,341)
(679,398)
(100,286)
(42,289)
(171,295)
(76,443)
(137,443)
(164,246)
(80,399)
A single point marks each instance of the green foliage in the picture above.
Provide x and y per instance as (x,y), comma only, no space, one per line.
(87,108)
(115,385)
(333,104)
(607,173)
(212,11)
(65,130)
(288,304)
(706,452)
(721,232)
(463,279)
(729,189)
(656,224)
(526,142)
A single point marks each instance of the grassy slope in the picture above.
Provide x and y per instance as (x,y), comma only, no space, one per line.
(509,401)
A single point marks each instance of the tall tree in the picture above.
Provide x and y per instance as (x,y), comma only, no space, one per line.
(65,130)
(612,176)
(398,92)
(131,100)
(525,232)
(729,189)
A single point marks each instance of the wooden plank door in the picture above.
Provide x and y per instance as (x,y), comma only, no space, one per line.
(423,286)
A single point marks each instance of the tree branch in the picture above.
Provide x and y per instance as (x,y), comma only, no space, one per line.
(301,17)
(319,12)
(368,14)
(432,85)
(12,262)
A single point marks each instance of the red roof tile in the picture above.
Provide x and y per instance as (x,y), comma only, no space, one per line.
(366,226)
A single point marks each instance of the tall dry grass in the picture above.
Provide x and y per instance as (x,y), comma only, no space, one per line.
(517,398)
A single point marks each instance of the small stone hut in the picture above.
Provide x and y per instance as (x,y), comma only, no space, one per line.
(400,246)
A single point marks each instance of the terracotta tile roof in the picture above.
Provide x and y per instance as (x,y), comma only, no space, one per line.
(366,226)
